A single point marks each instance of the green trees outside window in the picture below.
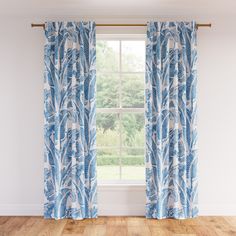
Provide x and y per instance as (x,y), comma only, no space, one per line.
(120,109)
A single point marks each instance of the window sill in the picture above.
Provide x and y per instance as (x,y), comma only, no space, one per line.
(121,186)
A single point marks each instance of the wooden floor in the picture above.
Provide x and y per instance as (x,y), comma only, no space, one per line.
(114,226)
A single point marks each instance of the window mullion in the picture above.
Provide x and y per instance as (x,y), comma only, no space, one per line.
(120,106)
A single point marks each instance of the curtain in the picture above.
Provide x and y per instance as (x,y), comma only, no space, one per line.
(70,183)
(171,162)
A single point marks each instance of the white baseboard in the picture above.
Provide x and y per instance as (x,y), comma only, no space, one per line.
(21,209)
(217,209)
(113,210)
(121,210)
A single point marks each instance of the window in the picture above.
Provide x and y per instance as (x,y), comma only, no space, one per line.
(120,108)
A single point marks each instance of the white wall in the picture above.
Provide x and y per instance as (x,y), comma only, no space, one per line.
(21,122)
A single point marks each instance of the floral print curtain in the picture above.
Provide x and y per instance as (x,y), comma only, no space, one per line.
(171,162)
(69,111)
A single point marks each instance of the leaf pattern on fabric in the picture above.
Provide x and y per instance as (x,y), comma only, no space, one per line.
(70,183)
(171,162)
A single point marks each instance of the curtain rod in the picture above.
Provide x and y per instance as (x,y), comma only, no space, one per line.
(198,25)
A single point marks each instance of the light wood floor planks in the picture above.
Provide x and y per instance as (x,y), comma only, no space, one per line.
(117,226)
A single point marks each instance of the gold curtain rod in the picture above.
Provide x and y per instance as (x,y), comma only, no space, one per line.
(198,25)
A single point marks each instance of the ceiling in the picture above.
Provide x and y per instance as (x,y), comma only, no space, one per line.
(118,8)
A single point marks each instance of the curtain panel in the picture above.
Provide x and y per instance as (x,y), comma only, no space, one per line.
(70,183)
(171,161)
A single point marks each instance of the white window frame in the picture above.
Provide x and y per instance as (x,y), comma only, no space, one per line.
(120,110)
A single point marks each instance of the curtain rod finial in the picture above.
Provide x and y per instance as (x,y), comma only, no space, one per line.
(37,25)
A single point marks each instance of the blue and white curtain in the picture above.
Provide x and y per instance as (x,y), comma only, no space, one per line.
(171,162)
(69,111)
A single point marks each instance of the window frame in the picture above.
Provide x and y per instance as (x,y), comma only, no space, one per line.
(119,109)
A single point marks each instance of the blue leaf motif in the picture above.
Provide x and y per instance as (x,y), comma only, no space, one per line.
(69,110)
(171,136)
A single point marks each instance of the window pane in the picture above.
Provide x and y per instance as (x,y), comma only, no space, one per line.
(107,55)
(133,173)
(107,90)
(132,162)
(132,157)
(120,133)
(108,162)
(133,56)
(132,129)
(132,90)
(107,130)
